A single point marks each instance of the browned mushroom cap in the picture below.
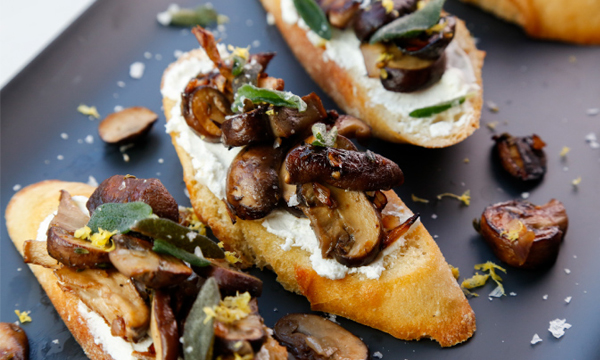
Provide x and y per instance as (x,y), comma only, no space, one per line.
(429,45)
(375,16)
(126,125)
(233,337)
(124,189)
(352,127)
(247,128)
(345,222)
(253,182)
(112,295)
(339,12)
(230,280)
(13,342)
(163,327)
(525,235)
(346,169)
(74,252)
(204,109)
(410,73)
(522,157)
(68,215)
(134,258)
(310,337)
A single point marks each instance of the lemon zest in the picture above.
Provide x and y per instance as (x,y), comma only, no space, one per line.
(88,110)
(270,112)
(383,74)
(465,198)
(421,4)
(244,53)
(230,309)
(388,5)
(436,28)
(84,233)
(195,223)
(24,316)
(455,271)
(490,267)
(513,233)
(492,125)
(476,280)
(221,245)
(576,182)
(466,160)
(231,257)
(418,199)
(565,150)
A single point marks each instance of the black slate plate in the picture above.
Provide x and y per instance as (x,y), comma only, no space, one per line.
(540,87)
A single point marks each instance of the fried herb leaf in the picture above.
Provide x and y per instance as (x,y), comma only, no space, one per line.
(164,247)
(198,332)
(314,17)
(412,24)
(118,216)
(438,108)
(259,95)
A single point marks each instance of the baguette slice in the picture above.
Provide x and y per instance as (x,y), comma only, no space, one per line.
(575,21)
(415,297)
(352,91)
(24,213)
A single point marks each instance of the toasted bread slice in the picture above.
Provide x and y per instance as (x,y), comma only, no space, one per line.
(338,67)
(416,295)
(569,21)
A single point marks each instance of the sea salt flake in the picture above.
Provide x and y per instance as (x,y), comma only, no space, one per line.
(545,297)
(118,108)
(64,136)
(558,327)
(377,355)
(434,216)
(89,139)
(512,293)
(161,160)
(136,70)
(567,271)
(568,299)
(525,195)
(60,157)
(593,111)
(121,84)
(17,187)
(126,157)
(536,339)
(592,140)
(497,292)
(270,19)
(55,341)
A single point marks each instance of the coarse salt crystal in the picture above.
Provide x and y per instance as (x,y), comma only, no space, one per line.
(136,70)
(593,111)
(592,140)
(545,297)
(512,293)
(434,216)
(536,339)
(161,160)
(567,271)
(377,355)
(89,139)
(118,108)
(568,299)
(17,187)
(60,157)
(558,327)
(525,195)
(55,341)
(65,136)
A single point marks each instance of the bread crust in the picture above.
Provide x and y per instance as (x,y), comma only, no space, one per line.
(353,98)
(416,297)
(24,213)
(575,21)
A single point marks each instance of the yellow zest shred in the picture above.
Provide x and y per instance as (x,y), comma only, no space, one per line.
(465,198)
(436,28)
(492,125)
(383,58)
(466,160)
(490,267)
(421,4)
(576,182)
(23,316)
(476,280)
(195,223)
(418,199)
(221,245)
(270,112)
(88,110)
(231,257)
(84,233)
(455,271)
(388,5)
(230,309)
(99,239)
(565,150)
(515,229)
(383,74)
(244,53)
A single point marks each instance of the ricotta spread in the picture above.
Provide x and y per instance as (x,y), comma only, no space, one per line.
(458,80)
(211,162)
(115,346)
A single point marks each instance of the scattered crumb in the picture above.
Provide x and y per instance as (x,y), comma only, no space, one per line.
(490,298)
(572,59)
(567,271)
(525,195)
(136,70)
(492,125)
(88,110)
(536,339)
(270,19)
(89,139)
(466,160)
(332,318)
(17,187)
(64,136)
(558,327)
(512,293)
(148,55)
(378,355)
(118,108)
(418,199)
(92,181)
(126,157)
(255,43)
(177,54)
(576,182)
(19,269)
(275,309)
(60,157)
(164,18)
(434,216)
(565,150)
(568,299)
(121,84)
(161,160)
(545,297)
(593,111)
(492,106)
(186,193)
(55,341)
(455,271)
(436,236)
(592,140)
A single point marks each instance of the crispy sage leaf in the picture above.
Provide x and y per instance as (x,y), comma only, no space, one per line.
(314,17)
(118,216)
(238,65)
(324,138)
(438,108)
(259,95)
(164,247)
(412,24)
(198,332)
(203,15)
(180,236)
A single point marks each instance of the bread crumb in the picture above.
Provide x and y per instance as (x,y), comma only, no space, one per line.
(576,182)
(592,140)
(492,125)
(492,106)
(536,339)
(136,70)
(558,327)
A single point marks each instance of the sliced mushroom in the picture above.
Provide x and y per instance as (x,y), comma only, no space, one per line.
(112,295)
(352,127)
(230,280)
(375,16)
(286,122)
(346,169)
(13,342)
(247,334)
(399,231)
(204,109)
(208,42)
(36,252)
(127,125)
(525,235)
(410,73)
(429,44)
(247,128)
(124,189)
(163,327)
(134,258)
(263,59)
(339,12)
(69,215)
(522,157)
(74,252)
(253,183)
(310,337)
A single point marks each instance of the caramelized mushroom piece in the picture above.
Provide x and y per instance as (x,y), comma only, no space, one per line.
(399,230)
(134,258)
(163,327)
(339,12)
(247,333)
(69,216)
(352,127)
(208,42)
(127,125)
(410,73)
(247,128)
(525,235)
(230,280)
(253,182)
(522,157)
(74,252)
(36,252)
(429,45)
(112,295)
(204,109)
(310,337)
(124,189)
(375,16)
(13,342)
(286,122)
(346,169)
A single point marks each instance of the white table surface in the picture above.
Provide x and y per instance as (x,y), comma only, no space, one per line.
(28,26)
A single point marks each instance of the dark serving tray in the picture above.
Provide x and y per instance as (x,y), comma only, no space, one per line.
(540,87)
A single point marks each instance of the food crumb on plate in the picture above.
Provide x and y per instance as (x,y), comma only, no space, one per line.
(60,157)
(17,187)
(89,139)
(558,327)
(593,111)
(512,293)
(377,355)
(92,181)
(545,297)
(592,140)
(536,339)
(568,299)
(121,84)
(136,70)
(64,136)
(270,19)
(161,160)
(567,271)
(118,108)
(525,195)
(126,157)
(55,341)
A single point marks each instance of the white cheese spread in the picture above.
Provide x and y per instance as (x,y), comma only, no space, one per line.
(211,162)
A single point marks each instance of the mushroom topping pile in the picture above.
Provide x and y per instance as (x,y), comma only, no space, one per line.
(296,151)
(525,235)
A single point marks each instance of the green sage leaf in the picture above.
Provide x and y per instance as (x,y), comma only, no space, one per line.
(314,17)
(203,15)
(118,216)
(412,24)
(438,108)
(199,333)
(324,138)
(238,65)
(259,95)
(164,247)
(180,236)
